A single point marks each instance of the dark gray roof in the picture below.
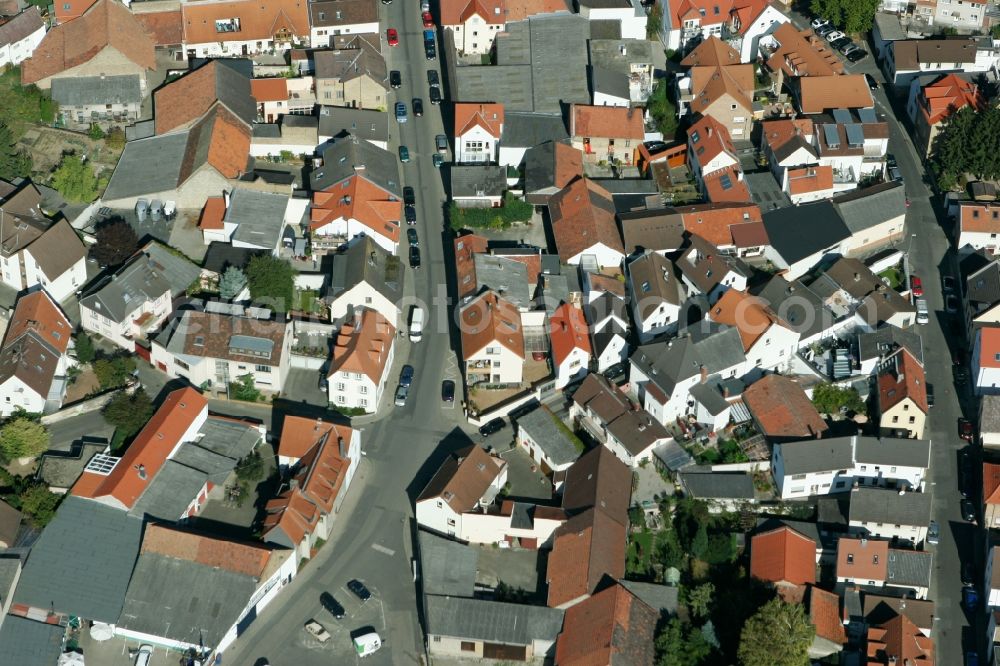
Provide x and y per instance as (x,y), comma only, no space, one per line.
(222,255)
(864,209)
(22,25)
(983,285)
(148,166)
(673,456)
(266,131)
(97,90)
(350,63)
(214,465)
(170,492)
(541,425)
(765,191)
(606,29)
(184,600)
(29,643)
(523,129)
(259,216)
(796,304)
(504,275)
(367,124)
(344,157)
(662,598)
(478,180)
(718,485)
(609,82)
(448,568)
(619,54)
(82,563)
(889,27)
(833,510)
(365,261)
(881,505)
(794,240)
(657,230)
(989,419)
(910,568)
(887,338)
(892,451)
(669,362)
(805,528)
(228,438)
(61,469)
(491,621)
(816,455)
(709,395)
(788,148)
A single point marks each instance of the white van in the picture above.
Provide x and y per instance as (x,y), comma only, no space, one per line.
(416,323)
(368,644)
(922,317)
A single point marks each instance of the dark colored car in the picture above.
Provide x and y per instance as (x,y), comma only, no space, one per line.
(857,56)
(409,196)
(411,236)
(872,83)
(840,43)
(432,78)
(825,30)
(410,214)
(930,395)
(965,479)
(965,429)
(332,605)
(951,303)
(948,283)
(968,574)
(968,511)
(435,95)
(395,79)
(614,372)
(971,659)
(490,427)
(970,599)
(406,375)
(418,107)
(448,391)
(430,51)
(414,256)
(359,589)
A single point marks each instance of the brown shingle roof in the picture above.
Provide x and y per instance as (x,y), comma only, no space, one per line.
(57,249)
(824,613)
(363,346)
(166,28)
(709,84)
(210,334)
(37,336)
(899,377)
(583,215)
(802,53)
(712,52)
(612,627)
(847,91)
(781,409)
(490,318)
(21,26)
(259,19)
(464,478)
(614,122)
(243,558)
(747,313)
(600,479)
(106,24)
(584,549)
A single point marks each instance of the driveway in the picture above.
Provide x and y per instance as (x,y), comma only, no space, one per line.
(302,385)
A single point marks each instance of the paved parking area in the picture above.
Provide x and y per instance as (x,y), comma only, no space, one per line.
(516,567)
(302,385)
(524,483)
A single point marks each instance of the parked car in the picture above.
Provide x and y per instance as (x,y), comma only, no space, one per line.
(848,48)
(418,107)
(404,154)
(930,395)
(916,286)
(835,35)
(410,213)
(825,30)
(948,283)
(441,143)
(406,376)
(965,429)
(971,658)
(448,391)
(409,196)
(872,83)
(435,94)
(951,303)
(414,256)
(144,655)
(437,160)
(968,510)
(933,533)
(395,79)
(432,78)
(970,599)
(968,574)
(490,427)
(427,19)
(402,392)
(400,112)
(392,37)
(332,605)
(857,55)
(840,42)
(430,50)
(317,631)
(359,589)
(411,236)
(818,23)
(614,372)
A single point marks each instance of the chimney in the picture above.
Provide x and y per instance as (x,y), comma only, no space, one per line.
(709,131)
(226,197)
(341,447)
(704,374)
(857,277)
(141,469)
(739,175)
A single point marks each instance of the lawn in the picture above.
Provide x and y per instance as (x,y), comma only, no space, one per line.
(894,276)
(308,301)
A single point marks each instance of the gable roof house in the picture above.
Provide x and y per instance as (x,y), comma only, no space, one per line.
(87,99)
(782,411)
(788,143)
(478,128)
(612,627)
(704,269)
(570,343)
(801,236)
(768,341)
(473,24)
(899,640)
(20,36)
(933,103)
(873,563)
(889,514)
(365,276)
(801,53)
(690,21)
(606,133)
(548,168)
(321,459)
(717,84)
(986,361)
(906,59)
(902,395)
(357,191)
(468,481)
(874,216)
(363,351)
(247,219)
(784,557)
(243,27)
(106,40)
(655,294)
(978,226)
(33,356)
(817,94)
(368,124)
(340,17)
(583,223)
(547,440)
(754,22)
(710,149)
(621,71)
(851,281)
(991,491)
(492,340)
(352,75)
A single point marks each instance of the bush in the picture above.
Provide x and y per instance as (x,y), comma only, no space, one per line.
(663,110)
(39,504)
(513,210)
(251,468)
(75,180)
(113,372)
(95,132)
(23,437)
(243,389)
(829,399)
(84,348)
(128,413)
(115,138)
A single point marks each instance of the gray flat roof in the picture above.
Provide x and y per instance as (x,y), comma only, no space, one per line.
(662,598)
(29,643)
(472,180)
(817,455)
(97,90)
(881,505)
(492,621)
(541,425)
(893,451)
(227,438)
(718,485)
(448,567)
(366,124)
(528,129)
(989,421)
(259,216)
(170,492)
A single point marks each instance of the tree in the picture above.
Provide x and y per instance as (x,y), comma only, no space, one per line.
(250,468)
(679,644)
(14,163)
(699,544)
(778,634)
(829,399)
(114,371)
(967,144)
(851,16)
(115,138)
(39,504)
(663,110)
(699,600)
(95,132)
(243,389)
(231,283)
(75,180)
(116,242)
(654,21)
(272,281)
(721,548)
(128,414)
(23,437)
(84,348)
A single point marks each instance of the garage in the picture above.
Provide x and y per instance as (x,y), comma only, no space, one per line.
(510,652)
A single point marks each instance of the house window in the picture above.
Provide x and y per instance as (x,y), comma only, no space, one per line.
(181,364)
(262,368)
(340,386)
(451,522)
(913,419)
(895,419)
(363,390)
(468,646)
(362,402)
(341,399)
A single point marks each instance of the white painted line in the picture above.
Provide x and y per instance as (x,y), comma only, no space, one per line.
(382,549)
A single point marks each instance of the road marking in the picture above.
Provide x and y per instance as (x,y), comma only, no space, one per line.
(382,549)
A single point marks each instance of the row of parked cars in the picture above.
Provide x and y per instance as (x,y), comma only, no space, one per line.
(838,40)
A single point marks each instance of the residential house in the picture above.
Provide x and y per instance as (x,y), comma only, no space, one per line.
(492,340)
(621,71)
(710,148)
(359,369)
(717,84)
(356,191)
(788,143)
(10,527)
(721,491)
(901,640)
(101,99)
(525,130)
(965,17)
(295,134)
(473,24)
(878,609)
(824,466)
(609,325)
(606,133)
(755,22)
(570,343)
(469,480)
(132,303)
(783,557)
(879,513)
(874,563)
(850,282)
(482,629)
(20,36)
(354,76)
(986,361)
(705,269)
(548,168)
(874,215)
(225,344)
(34,360)
(804,310)
(328,18)
(801,53)
(320,459)
(365,276)
(902,395)
(980,295)
(878,345)
(242,27)
(768,341)
(978,226)
(59,470)
(655,294)
(370,125)
(691,21)
(247,218)
(801,236)
(547,440)
(478,185)
(657,229)
(931,104)
(271,96)
(781,410)
(478,128)
(35,251)
(853,143)
(809,183)
(610,418)
(105,40)
(989,421)
(817,94)
(629,15)
(583,223)
(612,626)
(909,58)
(827,617)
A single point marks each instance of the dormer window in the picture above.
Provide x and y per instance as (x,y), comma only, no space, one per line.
(227,25)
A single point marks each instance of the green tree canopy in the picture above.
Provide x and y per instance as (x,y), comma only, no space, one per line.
(243,389)
(829,398)
(39,504)
(851,16)
(75,180)
(114,371)
(84,346)
(663,110)
(128,414)
(231,283)
(14,163)
(969,143)
(272,282)
(699,600)
(23,437)
(680,644)
(778,634)
(116,241)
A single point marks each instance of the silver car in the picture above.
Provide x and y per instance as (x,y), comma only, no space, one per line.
(933,533)
(402,392)
(400,112)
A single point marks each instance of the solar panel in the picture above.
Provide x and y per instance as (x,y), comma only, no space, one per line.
(831,136)
(867,115)
(726,181)
(841,116)
(855,135)
(251,343)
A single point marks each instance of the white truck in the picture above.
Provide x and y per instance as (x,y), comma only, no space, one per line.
(367,644)
(416,323)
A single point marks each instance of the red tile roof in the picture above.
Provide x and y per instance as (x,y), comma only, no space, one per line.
(783,556)
(947,95)
(712,52)
(242,558)
(457,12)
(824,614)
(899,377)
(844,91)
(487,319)
(802,53)
(568,331)
(810,179)
(747,313)
(487,116)
(781,409)
(166,28)
(212,214)
(583,215)
(776,133)
(299,435)
(989,348)
(613,122)
(709,138)
(363,201)
(612,627)
(269,90)
(466,249)
(36,312)
(584,549)
(259,20)
(991,483)
(147,453)
(902,641)
(979,217)
(727,186)
(862,559)
(706,12)
(71,9)
(363,346)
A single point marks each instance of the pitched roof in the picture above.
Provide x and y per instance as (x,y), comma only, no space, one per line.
(711,52)
(652,229)
(457,12)
(490,318)
(585,548)
(809,180)
(106,24)
(362,59)
(800,231)
(29,642)
(901,640)
(991,483)
(938,100)
(883,505)
(710,84)
(599,479)
(845,91)
(825,615)
(165,27)
(878,609)
(365,261)
(786,135)
(184,101)
(518,10)
(22,25)
(568,331)
(348,157)
(871,206)
(981,217)
(781,408)
(901,376)
(257,20)
(363,345)
(37,336)
(716,222)
(490,621)
(612,627)
(783,556)
(361,200)
(269,90)
(710,138)
(654,282)
(467,246)
(802,53)
(464,478)
(549,167)
(909,54)
(862,559)
(726,185)
(544,428)
(333,13)
(486,116)
(583,215)
(749,314)
(613,122)
(243,558)
(989,347)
